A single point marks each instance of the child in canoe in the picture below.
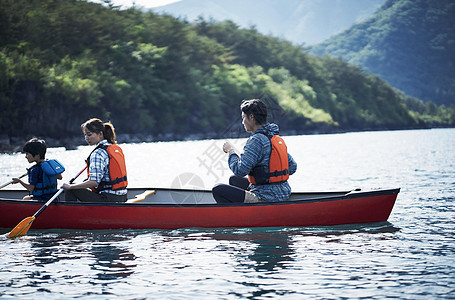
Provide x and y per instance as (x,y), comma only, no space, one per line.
(43,175)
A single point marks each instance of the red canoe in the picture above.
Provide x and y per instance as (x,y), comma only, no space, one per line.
(172,209)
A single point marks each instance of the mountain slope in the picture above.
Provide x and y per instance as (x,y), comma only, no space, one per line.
(299,21)
(409,43)
(154,75)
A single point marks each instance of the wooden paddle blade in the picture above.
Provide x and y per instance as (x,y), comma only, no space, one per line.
(21,228)
(141,197)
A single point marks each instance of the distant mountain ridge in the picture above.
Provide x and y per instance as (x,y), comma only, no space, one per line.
(299,21)
(409,43)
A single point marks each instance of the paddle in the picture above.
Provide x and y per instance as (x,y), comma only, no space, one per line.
(141,197)
(24,225)
(9,182)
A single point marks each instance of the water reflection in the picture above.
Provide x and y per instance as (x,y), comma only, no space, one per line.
(273,251)
(109,260)
(272,247)
(338,230)
(112,262)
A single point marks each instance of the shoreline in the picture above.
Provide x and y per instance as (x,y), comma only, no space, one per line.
(15,144)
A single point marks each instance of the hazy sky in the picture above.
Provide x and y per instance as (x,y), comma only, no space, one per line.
(139,3)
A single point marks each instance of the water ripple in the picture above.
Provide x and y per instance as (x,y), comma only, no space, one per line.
(412,256)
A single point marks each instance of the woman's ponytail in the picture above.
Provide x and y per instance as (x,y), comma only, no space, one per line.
(109,133)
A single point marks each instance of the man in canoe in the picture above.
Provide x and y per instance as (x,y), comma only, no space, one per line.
(264,159)
(106,167)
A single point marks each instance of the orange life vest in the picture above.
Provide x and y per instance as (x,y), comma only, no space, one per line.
(117,169)
(278,168)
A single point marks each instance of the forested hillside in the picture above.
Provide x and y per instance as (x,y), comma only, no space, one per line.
(64,61)
(408,43)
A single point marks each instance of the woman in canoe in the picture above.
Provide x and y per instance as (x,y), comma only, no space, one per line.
(264,159)
(106,168)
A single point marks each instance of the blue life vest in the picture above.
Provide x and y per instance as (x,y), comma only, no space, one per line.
(50,170)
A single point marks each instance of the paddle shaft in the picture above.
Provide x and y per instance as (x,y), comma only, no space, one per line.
(24,225)
(9,182)
(56,194)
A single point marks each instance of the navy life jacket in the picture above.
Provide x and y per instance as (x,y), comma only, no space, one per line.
(50,170)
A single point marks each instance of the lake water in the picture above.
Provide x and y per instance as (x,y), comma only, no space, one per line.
(412,256)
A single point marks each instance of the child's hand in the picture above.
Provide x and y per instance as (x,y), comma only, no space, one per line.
(16,180)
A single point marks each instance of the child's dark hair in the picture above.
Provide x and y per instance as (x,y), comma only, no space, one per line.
(35,146)
(96,125)
(257,108)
